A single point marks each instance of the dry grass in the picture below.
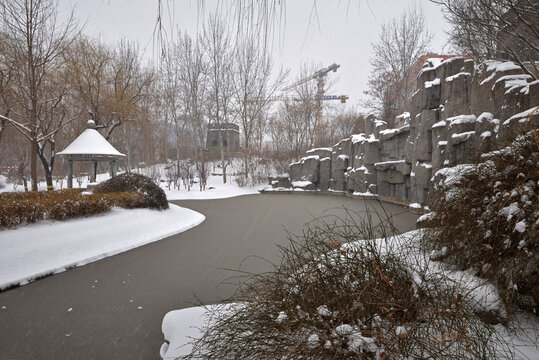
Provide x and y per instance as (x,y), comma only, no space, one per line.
(369,300)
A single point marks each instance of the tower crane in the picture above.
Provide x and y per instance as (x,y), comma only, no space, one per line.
(320,77)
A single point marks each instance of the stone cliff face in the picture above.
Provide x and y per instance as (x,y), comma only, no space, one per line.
(459,111)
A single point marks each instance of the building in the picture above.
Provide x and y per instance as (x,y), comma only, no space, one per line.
(230,134)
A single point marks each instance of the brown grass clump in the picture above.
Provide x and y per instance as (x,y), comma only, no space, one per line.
(488,220)
(367,300)
(18,208)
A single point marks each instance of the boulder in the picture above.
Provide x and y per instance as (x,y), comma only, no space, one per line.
(485,77)
(422,143)
(294,171)
(279,181)
(450,67)
(439,143)
(324,179)
(455,94)
(339,165)
(304,185)
(356,180)
(371,153)
(393,143)
(486,128)
(309,168)
(431,94)
(426,74)
(369,124)
(517,124)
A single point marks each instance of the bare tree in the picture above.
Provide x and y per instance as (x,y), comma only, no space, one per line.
(346,123)
(88,63)
(35,41)
(193,88)
(491,29)
(174,106)
(218,50)
(254,84)
(402,41)
(6,100)
(129,83)
(289,131)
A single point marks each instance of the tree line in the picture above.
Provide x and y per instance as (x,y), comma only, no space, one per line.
(53,78)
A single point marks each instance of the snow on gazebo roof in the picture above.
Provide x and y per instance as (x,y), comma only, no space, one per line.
(90,144)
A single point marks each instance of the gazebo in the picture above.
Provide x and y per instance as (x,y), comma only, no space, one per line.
(92,147)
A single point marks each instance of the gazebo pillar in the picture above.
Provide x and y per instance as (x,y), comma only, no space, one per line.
(113,168)
(70,174)
(93,165)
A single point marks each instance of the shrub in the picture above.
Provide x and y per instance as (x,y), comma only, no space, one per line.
(13,213)
(81,206)
(30,207)
(367,300)
(135,183)
(488,220)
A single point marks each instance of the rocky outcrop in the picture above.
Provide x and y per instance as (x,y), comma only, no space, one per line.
(459,111)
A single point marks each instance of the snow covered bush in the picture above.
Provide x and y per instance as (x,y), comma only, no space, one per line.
(135,183)
(488,220)
(18,208)
(332,299)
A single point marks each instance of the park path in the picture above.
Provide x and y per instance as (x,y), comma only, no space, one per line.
(112,308)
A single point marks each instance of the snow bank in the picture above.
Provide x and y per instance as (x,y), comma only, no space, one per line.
(181,327)
(51,247)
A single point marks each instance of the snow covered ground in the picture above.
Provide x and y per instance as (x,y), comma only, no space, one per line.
(49,247)
(215,189)
(182,327)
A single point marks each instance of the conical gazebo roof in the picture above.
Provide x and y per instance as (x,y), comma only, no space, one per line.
(91,145)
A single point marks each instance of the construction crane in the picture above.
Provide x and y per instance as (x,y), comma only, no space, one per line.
(320,77)
(342,98)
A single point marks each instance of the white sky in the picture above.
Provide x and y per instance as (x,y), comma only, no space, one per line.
(342,33)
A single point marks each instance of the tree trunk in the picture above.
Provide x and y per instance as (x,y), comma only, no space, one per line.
(47,166)
(178,172)
(21,175)
(33,165)
(246,164)
(222,148)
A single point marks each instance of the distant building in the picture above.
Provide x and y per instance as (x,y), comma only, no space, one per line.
(230,134)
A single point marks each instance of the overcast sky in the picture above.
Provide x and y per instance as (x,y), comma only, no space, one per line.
(342,32)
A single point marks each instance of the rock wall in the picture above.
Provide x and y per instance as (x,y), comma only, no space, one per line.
(459,111)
